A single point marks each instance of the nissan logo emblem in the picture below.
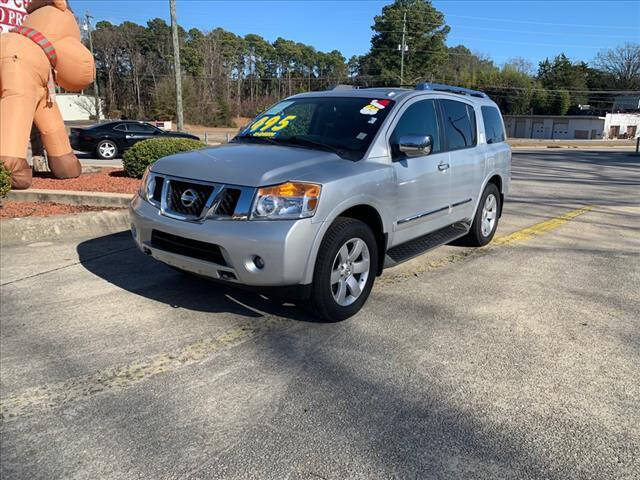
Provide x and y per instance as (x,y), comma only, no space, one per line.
(189,197)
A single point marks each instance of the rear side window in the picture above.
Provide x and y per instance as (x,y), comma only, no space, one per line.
(459,124)
(419,119)
(122,127)
(492,125)
(140,128)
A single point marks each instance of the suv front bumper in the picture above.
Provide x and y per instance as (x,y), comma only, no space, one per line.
(283,245)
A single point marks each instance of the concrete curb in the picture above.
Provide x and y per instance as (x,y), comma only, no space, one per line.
(72,197)
(16,231)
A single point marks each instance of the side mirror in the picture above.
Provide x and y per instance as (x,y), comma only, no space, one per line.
(415,145)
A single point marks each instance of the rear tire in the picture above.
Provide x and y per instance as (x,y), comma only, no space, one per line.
(485,221)
(107,149)
(345,270)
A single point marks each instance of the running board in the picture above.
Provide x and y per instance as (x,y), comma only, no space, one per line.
(418,246)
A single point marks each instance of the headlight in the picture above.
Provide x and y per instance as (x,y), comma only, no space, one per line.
(286,201)
(148,185)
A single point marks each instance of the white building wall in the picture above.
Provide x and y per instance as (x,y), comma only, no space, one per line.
(554,127)
(76,107)
(623,121)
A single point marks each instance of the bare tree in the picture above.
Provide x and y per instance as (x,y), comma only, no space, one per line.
(521,65)
(87,105)
(623,63)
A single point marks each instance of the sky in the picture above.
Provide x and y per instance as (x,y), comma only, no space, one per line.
(502,30)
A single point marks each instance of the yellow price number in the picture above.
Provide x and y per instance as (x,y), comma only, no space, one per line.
(271,124)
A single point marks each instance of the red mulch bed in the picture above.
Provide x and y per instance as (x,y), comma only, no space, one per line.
(11,209)
(107,180)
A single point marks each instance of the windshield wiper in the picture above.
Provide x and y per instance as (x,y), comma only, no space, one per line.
(302,141)
(251,137)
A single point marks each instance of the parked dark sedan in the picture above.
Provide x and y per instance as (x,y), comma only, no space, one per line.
(108,140)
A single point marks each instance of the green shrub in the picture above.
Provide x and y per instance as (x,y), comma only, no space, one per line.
(5,181)
(144,153)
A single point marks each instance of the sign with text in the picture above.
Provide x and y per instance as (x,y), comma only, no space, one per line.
(12,13)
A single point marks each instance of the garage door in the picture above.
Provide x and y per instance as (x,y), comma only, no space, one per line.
(560,130)
(537,131)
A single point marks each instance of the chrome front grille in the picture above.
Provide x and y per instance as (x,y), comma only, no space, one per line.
(195,201)
(188,198)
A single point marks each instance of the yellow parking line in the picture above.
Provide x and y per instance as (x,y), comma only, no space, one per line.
(394,276)
(542,227)
(53,395)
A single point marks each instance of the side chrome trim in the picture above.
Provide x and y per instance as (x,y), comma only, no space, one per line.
(461,203)
(422,215)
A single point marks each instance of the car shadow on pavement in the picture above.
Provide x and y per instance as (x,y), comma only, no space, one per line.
(116,259)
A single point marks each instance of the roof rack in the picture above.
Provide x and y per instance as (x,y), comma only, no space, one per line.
(450,88)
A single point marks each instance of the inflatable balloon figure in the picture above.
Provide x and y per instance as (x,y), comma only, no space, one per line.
(44,51)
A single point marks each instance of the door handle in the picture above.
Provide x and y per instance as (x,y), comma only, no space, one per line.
(443,166)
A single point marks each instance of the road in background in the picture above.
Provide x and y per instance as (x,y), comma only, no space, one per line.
(518,360)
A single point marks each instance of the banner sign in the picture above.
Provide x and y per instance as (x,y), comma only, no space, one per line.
(12,13)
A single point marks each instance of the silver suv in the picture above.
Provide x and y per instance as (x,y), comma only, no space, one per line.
(324,190)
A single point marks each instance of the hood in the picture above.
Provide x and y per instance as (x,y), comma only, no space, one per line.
(252,165)
(178,134)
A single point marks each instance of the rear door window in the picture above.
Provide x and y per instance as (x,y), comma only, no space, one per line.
(122,127)
(493,128)
(459,124)
(419,119)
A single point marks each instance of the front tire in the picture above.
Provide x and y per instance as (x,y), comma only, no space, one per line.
(485,221)
(345,270)
(107,149)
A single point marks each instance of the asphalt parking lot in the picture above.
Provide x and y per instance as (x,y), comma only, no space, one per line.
(520,360)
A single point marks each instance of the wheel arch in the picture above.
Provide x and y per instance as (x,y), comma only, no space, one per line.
(495,178)
(370,216)
(104,137)
(363,211)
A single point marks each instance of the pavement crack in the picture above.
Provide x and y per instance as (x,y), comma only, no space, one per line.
(91,259)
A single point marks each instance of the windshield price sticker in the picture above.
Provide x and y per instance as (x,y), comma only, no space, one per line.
(269,125)
(374,107)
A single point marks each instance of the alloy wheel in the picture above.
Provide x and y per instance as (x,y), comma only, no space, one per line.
(350,271)
(489,215)
(107,150)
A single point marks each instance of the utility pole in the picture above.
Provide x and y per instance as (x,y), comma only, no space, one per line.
(95,83)
(176,64)
(403,48)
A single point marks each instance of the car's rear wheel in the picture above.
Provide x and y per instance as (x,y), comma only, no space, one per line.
(345,270)
(485,221)
(107,149)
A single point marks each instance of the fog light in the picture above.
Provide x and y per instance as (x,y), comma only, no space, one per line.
(258,262)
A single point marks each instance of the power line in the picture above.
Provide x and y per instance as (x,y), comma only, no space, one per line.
(509,30)
(337,77)
(580,25)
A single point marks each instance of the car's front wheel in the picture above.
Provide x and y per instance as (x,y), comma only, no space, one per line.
(345,270)
(107,149)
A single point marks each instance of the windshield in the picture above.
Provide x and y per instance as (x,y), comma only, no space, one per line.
(345,126)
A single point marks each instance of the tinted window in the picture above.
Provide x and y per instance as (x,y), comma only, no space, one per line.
(492,125)
(459,124)
(347,124)
(140,128)
(122,127)
(419,119)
